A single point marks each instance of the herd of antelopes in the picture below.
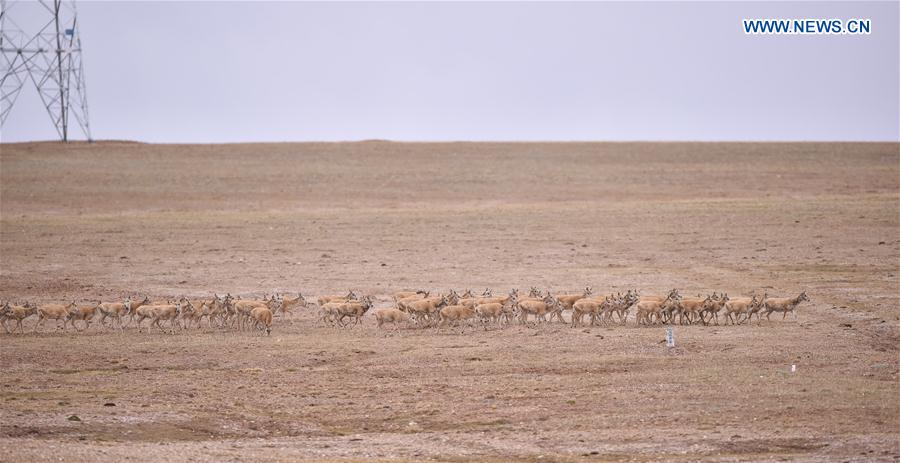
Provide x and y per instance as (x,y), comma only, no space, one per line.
(418,308)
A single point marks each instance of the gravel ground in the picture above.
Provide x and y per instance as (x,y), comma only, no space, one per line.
(111,219)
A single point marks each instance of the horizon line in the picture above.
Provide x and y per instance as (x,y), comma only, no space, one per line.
(385,140)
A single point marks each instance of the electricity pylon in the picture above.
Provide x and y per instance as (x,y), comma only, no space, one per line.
(49,57)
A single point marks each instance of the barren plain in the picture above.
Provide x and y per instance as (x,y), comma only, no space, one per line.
(105,220)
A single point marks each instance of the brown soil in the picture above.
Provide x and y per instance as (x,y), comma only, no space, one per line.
(105,220)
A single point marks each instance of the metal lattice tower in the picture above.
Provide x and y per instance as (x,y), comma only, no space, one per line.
(50,57)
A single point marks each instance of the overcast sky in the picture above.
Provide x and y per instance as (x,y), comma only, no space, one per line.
(224,72)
